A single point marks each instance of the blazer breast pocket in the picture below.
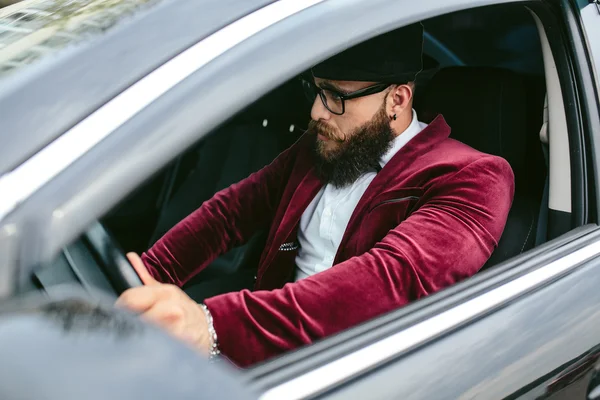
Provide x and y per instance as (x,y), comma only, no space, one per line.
(289,246)
(386,212)
(400,202)
(281,269)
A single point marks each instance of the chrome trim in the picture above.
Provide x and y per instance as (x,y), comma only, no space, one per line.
(19,184)
(336,372)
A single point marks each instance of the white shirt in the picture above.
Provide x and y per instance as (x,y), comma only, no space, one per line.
(324,221)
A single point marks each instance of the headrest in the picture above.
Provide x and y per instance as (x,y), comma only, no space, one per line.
(486,108)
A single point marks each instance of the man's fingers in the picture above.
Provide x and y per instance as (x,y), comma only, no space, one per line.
(141,270)
(138,299)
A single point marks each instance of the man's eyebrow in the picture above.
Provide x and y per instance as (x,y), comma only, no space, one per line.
(331,86)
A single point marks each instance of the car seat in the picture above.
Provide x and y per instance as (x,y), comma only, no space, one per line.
(498,112)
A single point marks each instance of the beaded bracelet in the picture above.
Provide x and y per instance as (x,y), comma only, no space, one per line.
(212,334)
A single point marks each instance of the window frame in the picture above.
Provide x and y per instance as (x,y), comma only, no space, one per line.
(103,175)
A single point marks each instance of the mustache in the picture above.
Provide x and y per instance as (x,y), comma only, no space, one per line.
(321,128)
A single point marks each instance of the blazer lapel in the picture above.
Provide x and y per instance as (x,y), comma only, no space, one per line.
(303,194)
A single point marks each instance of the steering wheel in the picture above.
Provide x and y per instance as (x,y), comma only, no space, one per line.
(117,267)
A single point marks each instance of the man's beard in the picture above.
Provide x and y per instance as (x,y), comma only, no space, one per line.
(359,153)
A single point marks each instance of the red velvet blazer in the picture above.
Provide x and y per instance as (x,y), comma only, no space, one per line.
(431,217)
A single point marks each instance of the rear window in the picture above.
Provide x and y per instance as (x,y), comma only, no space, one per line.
(502,37)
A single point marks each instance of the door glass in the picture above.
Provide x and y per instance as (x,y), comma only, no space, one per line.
(590,16)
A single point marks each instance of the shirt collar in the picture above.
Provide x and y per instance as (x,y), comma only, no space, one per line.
(402,139)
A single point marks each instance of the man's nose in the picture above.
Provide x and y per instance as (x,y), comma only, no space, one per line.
(318,110)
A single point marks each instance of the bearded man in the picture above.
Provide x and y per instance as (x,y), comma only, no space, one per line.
(370,210)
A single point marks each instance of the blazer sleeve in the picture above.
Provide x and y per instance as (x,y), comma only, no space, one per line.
(227,220)
(446,240)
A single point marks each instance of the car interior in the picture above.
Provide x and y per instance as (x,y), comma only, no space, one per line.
(489,71)
(493,100)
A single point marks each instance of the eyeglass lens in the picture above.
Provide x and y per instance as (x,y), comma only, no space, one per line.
(330,99)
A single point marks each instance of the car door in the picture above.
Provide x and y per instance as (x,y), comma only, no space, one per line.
(512,339)
(464,341)
(509,341)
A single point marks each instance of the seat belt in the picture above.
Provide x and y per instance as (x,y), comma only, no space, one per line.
(542,225)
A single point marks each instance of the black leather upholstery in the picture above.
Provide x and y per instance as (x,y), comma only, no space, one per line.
(498,112)
(235,150)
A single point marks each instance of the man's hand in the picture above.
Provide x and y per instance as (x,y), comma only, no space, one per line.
(166,306)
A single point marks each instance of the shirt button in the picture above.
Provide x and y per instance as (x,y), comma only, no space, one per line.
(329,258)
(327,212)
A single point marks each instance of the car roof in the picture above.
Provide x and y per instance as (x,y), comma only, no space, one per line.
(42,99)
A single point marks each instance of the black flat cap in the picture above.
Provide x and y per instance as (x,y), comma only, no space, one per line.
(394,57)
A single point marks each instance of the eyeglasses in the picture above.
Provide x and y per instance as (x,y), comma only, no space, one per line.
(335,101)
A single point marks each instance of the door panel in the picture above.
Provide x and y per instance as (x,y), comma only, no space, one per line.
(458,341)
(519,352)
(578,380)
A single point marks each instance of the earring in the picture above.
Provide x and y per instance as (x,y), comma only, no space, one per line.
(394,117)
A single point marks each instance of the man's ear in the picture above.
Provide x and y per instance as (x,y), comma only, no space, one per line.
(401,97)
